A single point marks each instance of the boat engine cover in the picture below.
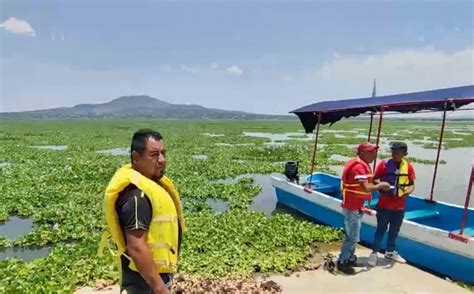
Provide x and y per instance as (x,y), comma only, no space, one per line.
(291,171)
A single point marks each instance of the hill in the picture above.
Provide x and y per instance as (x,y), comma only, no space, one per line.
(138,107)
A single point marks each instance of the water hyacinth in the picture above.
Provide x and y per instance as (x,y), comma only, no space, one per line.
(62,192)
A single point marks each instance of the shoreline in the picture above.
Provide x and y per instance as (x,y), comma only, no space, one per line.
(386,277)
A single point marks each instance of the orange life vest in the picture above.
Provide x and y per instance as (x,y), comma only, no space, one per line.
(353,194)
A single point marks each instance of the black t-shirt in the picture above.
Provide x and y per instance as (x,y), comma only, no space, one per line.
(135,213)
(133,209)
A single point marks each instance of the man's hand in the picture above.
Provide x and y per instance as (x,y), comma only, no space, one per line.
(383,186)
(369,187)
(161,290)
(408,190)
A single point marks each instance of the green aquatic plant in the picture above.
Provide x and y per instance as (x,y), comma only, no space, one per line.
(62,191)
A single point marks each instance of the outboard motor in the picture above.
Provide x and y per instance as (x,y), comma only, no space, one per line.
(291,171)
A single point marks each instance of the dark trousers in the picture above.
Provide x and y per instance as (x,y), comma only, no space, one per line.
(133,282)
(385,217)
(142,288)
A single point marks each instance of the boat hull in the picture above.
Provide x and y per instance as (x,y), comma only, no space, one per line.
(427,247)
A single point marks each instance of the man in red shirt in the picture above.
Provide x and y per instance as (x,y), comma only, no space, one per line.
(391,205)
(357,187)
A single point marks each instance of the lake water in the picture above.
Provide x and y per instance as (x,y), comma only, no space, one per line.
(115,151)
(234,145)
(448,189)
(25,254)
(277,140)
(451,182)
(265,201)
(200,156)
(452,178)
(5,164)
(217,205)
(337,157)
(13,228)
(213,135)
(52,147)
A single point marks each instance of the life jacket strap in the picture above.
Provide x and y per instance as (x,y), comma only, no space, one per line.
(116,254)
(164,218)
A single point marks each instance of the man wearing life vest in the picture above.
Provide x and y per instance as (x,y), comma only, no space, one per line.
(357,187)
(391,205)
(144,217)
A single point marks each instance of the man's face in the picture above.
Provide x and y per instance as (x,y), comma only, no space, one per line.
(397,155)
(152,162)
(368,156)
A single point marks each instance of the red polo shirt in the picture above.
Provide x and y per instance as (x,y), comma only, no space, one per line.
(387,201)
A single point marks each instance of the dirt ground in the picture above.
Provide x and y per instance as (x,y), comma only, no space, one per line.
(386,277)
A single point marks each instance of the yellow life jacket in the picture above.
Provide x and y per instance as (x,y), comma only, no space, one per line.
(167,215)
(396,176)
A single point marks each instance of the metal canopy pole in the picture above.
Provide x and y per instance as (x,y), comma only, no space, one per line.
(378,136)
(439,151)
(468,199)
(460,236)
(370,126)
(309,189)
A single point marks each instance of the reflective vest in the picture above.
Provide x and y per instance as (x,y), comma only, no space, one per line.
(396,176)
(167,215)
(353,195)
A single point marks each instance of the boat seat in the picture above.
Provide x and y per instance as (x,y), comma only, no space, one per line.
(324,187)
(373,202)
(468,231)
(420,214)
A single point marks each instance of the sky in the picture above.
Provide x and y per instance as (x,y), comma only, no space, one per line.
(257,56)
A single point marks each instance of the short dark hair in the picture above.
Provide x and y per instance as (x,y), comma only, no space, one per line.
(399,146)
(140,138)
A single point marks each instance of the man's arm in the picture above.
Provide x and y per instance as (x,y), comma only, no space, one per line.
(370,187)
(142,256)
(361,176)
(407,190)
(379,171)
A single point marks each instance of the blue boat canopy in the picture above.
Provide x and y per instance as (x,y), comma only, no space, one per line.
(434,100)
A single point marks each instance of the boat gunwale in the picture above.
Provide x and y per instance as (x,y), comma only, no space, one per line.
(460,248)
(411,195)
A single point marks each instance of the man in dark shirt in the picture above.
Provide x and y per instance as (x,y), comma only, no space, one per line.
(134,211)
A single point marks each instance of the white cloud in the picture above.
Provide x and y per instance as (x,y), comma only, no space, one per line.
(235,70)
(342,76)
(18,26)
(398,71)
(214,66)
(189,69)
(287,78)
(336,55)
(165,68)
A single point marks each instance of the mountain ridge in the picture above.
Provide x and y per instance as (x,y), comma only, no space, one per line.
(138,107)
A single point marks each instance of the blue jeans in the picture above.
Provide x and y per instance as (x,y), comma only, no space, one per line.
(352,224)
(384,218)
